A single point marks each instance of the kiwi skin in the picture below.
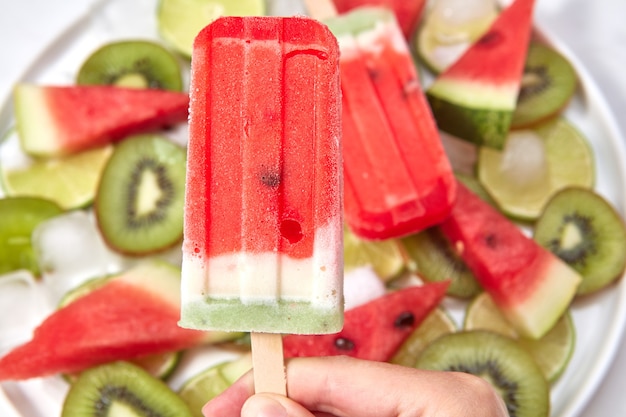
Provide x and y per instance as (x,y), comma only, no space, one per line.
(599,256)
(97,389)
(498,359)
(132,63)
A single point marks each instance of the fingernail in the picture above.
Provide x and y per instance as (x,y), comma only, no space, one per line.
(263,406)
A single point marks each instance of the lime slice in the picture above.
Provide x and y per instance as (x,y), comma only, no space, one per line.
(179,21)
(212,382)
(534,165)
(159,365)
(69,181)
(435,325)
(384,256)
(552,352)
(19,216)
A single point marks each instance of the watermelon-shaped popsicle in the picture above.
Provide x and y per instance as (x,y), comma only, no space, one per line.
(397,178)
(263,231)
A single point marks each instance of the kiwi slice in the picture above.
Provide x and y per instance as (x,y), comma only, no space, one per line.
(132,63)
(434,260)
(548,83)
(19,216)
(499,360)
(552,352)
(121,388)
(140,199)
(583,229)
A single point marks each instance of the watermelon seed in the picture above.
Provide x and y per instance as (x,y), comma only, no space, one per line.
(270,178)
(489,39)
(343,343)
(404,319)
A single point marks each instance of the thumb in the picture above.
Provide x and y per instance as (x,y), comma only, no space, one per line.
(272,405)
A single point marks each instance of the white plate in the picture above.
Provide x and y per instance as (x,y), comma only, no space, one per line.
(599,319)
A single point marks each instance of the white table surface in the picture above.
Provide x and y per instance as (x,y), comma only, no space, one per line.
(593,30)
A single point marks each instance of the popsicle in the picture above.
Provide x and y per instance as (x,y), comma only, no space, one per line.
(397,177)
(262,248)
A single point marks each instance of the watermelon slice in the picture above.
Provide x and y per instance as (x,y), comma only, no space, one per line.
(407,13)
(129,316)
(375,330)
(59,120)
(475,97)
(531,286)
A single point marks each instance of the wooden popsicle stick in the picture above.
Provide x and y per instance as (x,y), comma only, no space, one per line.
(268,363)
(321,9)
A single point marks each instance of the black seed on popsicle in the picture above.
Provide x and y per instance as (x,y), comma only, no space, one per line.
(270,178)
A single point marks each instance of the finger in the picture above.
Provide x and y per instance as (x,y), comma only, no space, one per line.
(230,402)
(272,405)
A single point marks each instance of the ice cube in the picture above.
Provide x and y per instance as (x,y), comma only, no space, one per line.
(362,285)
(71,251)
(23,306)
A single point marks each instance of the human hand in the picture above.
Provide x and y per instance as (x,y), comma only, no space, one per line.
(343,386)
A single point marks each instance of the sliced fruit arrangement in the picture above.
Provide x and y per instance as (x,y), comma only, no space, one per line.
(140,197)
(121,388)
(60,120)
(70,181)
(534,165)
(374,330)
(131,315)
(531,286)
(449,28)
(132,63)
(498,359)
(20,216)
(576,224)
(179,21)
(579,226)
(475,97)
(551,352)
